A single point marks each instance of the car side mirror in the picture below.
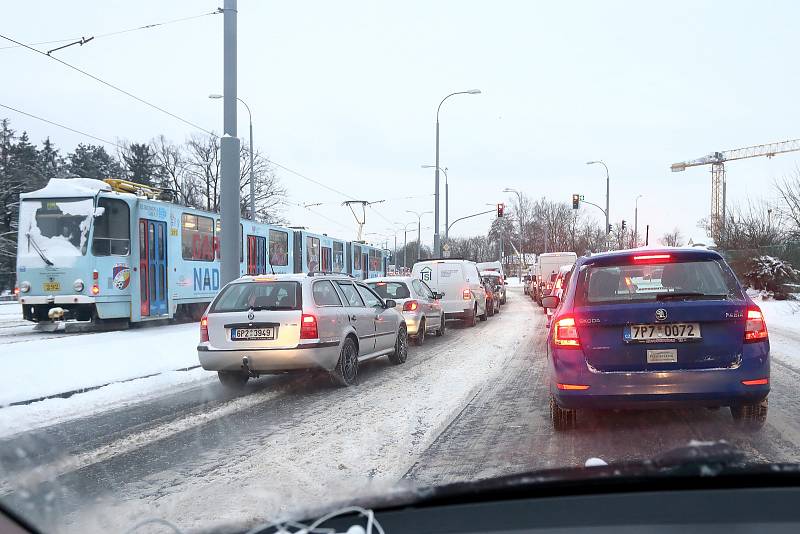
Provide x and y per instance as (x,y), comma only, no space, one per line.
(389,303)
(550,301)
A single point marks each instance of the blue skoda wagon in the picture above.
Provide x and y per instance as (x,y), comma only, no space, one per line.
(652,328)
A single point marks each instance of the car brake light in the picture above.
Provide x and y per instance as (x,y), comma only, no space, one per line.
(565,333)
(756,382)
(410,305)
(467,294)
(572,387)
(755,329)
(652,258)
(308,327)
(203,329)
(95,289)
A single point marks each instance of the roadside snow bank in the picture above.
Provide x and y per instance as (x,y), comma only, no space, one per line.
(39,368)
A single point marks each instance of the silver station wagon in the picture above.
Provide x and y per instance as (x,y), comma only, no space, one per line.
(267,324)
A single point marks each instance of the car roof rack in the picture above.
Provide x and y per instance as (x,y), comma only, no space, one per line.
(328,273)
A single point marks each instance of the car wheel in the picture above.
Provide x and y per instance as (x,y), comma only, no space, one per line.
(400,354)
(562,419)
(751,416)
(233,379)
(490,310)
(483,316)
(442,323)
(419,339)
(503,301)
(346,371)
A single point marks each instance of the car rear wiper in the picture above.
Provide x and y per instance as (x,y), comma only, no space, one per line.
(688,295)
(31,241)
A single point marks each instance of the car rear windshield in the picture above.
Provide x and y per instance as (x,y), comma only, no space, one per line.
(390,290)
(271,295)
(677,280)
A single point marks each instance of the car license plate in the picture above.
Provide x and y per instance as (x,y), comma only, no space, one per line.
(654,333)
(52,286)
(662,356)
(240,334)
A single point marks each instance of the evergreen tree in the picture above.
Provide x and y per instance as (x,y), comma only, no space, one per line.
(92,161)
(140,163)
(51,164)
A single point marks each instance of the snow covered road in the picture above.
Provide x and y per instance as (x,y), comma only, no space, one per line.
(472,404)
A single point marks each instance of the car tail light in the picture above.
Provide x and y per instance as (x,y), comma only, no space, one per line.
(572,387)
(467,294)
(565,333)
(16,291)
(755,329)
(308,327)
(410,305)
(652,258)
(756,382)
(204,329)
(95,285)
(95,289)
(558,283)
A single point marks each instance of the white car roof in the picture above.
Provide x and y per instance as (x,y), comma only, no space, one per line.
(406,279)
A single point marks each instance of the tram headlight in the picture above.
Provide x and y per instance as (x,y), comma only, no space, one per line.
(24,286)
(78,285)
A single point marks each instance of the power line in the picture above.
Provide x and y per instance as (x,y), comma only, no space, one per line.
(62,126)
(116,88)
(119,32)
(313,181)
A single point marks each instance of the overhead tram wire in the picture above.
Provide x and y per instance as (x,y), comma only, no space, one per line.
(111,85)
(31,115)
(119,32)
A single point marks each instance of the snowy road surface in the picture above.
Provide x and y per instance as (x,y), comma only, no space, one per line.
(472,404)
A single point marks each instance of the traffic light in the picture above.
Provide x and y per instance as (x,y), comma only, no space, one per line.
(576,201)
(608,230)
(500,209)
(624,225)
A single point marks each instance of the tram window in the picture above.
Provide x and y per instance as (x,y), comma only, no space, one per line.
(112,229)
(312,253)
(218,240)
(197,237)
(338,257)
(278,247)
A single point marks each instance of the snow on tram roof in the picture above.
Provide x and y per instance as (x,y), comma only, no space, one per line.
(69,187)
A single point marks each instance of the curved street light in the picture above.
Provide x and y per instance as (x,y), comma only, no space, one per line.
(436,243)
(252,182)
(600,162)
(419,228)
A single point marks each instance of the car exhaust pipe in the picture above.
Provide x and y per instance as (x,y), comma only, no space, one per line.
(247,368)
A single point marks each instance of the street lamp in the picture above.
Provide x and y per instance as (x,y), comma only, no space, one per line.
(636,222)
(437,250)
(446,200)
(608,189)
(419,229)
(252,182)
(521,225)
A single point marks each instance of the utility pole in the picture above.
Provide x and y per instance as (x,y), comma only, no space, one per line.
(636,223)
(229,153)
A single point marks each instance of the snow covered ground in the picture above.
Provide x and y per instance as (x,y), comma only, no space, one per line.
(35,365)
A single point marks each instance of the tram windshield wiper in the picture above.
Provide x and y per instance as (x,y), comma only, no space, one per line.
(38,250)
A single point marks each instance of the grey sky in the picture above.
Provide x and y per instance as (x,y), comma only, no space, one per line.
(346,92)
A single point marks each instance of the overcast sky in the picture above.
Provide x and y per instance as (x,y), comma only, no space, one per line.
(346,92)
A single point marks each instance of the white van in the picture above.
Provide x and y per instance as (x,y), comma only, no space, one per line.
(547,267)
(459,282)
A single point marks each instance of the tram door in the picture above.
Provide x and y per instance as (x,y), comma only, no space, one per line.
(153,267)
(326,259)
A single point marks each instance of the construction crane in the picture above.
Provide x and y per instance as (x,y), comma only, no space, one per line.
(718,185)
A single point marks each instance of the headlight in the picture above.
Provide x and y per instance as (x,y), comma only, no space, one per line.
(24,287)
(77,285)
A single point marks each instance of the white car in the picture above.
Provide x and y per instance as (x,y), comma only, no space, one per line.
(459,282)
(418,303)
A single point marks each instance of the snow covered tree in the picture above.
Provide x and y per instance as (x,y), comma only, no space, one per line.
(770,274)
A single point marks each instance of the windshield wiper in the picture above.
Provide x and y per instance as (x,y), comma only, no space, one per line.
(31,241)
(688,295)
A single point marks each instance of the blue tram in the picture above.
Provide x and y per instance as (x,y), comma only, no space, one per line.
(87,251)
